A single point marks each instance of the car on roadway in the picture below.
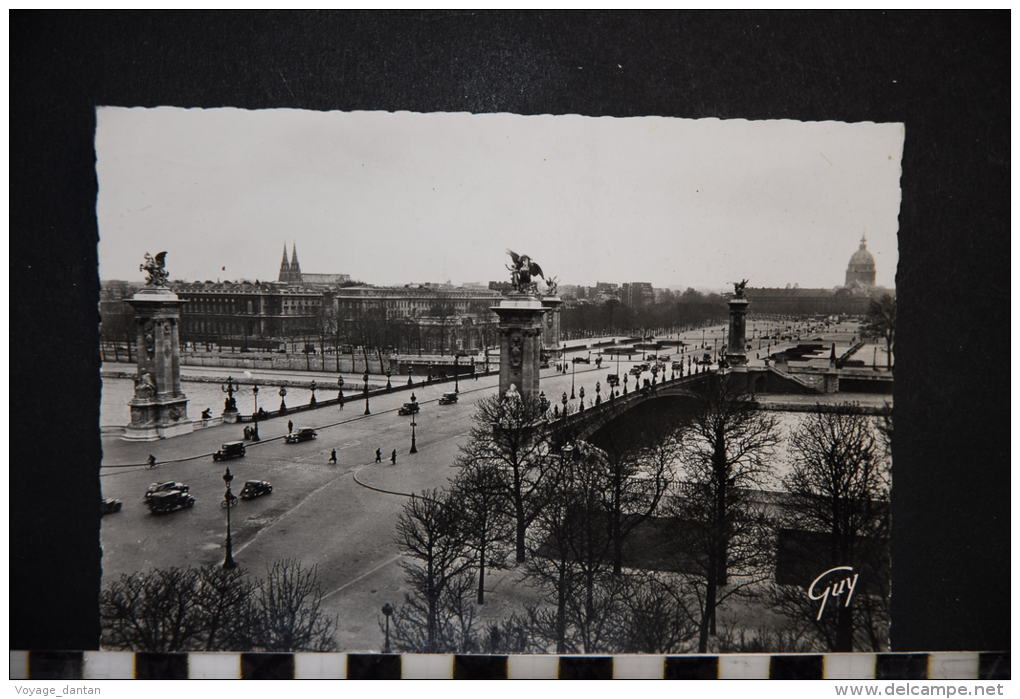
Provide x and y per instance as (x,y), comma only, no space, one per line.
(409,408)
(636,370)
(254,489)
(229,450)
(448,399)
(677,366)
(169,501)
(301,434)
(581,360)
(165,487)
(109,506)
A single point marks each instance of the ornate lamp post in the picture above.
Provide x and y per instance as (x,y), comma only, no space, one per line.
(365,389)
(414,444)
(230,405)
(255,416)
(283,399)
(228,561)
(581,394)
(625,377)
(312,387)
(564,401)
(340,389)
(456,374)
(388,374)
(387,610)
(572,367)
(543,401)
(598,392)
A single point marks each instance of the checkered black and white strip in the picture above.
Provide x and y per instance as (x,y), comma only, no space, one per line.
(98,665)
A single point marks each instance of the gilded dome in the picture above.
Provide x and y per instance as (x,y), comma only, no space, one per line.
(860,271)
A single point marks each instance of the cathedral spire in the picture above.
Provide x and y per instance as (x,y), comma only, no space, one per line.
(295,268)
(284,266)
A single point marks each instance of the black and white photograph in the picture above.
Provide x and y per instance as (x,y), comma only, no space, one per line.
(509,344)
(455,383)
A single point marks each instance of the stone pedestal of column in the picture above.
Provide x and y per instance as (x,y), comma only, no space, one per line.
(736,346)
(159,408)
(551,331)
(520,343)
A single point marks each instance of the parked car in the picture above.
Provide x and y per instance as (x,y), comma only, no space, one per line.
(581,360)
(677,366)
(164,487)
(229,450)
(301,434)
(169,501)
(254,489)
(664,357)
(447,399)
(109,506)
(636,370)
(408,408)
(613,379)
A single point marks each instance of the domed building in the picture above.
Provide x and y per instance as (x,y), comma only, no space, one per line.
(860,271)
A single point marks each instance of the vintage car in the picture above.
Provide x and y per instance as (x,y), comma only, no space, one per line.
(301,434)
(613,379)
(581,360)
(254,489)
(109,506)
(408,408)
(229,450)
(636,370)
(169,501)
(164,487)
(677,366)
(448,398)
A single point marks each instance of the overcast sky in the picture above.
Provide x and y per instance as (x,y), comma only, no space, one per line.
(392,198)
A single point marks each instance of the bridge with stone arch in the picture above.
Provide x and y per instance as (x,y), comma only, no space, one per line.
(754,381)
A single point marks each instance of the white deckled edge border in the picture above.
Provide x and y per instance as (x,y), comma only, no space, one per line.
(848,666)
(426,667)
(953,666)
(533,667)
(744,667)
(214,666)
(320,666)
(108,665)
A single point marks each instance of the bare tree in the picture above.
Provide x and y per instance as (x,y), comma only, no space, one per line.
(480,491)
(286,611)
(428,531)
(638,478)
(726,460)
(838,487)
(657,615)
(221,598)
(881,322)
(509,435)
(153,611)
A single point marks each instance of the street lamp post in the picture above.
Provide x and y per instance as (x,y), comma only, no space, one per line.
(387,610)
(228,561)
(365,379)
(564,401)
(255,416)
(340,389)
(283,400)
(414,444)
(572,367)
(230,405)
(312,386)
(456,374)
(388,374)
(625,383)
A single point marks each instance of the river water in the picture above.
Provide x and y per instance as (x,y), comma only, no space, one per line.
(114,412)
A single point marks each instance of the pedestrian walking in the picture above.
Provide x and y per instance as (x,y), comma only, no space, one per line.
(393,457)
(290,426)
(378,456)
(332,456)
(152,461)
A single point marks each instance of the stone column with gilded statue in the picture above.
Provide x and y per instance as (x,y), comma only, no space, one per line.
(553,305)
(521,320)
(736,345)
(159,408)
